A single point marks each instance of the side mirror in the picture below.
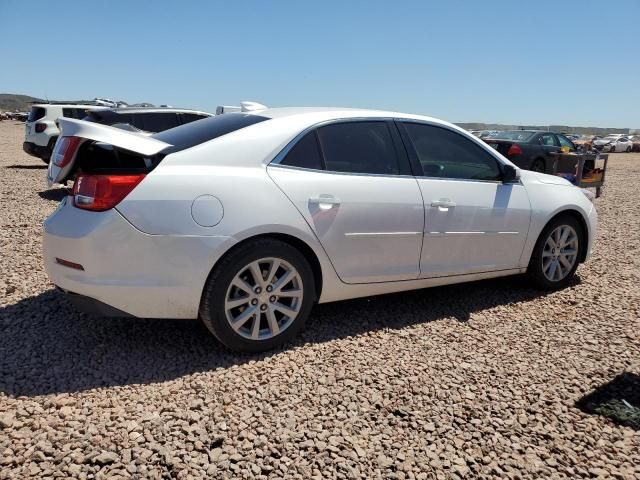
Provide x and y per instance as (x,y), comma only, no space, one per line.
(510,174)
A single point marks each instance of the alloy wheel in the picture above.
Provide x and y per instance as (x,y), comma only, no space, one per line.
(560,253)
(264,298)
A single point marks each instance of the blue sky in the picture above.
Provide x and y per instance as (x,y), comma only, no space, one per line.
(561,62)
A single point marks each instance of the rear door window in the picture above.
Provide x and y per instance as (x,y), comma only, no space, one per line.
(36,113)
(447,154)
(305,153)
(548,140)
(359,147)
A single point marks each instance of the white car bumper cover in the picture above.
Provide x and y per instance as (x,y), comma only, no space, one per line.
(125,268)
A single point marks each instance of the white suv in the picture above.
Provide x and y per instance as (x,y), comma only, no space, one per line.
(41,130)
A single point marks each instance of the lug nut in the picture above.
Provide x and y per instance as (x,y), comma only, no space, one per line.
(269,288)
(254,301)
(263,307)
(272,298)
(258,290)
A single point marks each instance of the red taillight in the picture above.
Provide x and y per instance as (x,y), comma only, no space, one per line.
(102,192)
(514,150)
(65,149)
(41,127)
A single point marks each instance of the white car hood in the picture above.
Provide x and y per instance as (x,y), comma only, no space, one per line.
(527,176)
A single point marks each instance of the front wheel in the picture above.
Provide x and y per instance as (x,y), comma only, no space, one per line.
(612,149)
(555,256)
(259,296)
(628,149)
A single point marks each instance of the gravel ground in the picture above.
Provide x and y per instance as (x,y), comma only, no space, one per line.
(477,380)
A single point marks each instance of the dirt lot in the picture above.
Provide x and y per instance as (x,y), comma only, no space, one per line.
(477,380)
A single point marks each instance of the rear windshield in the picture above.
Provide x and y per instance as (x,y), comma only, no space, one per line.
(517,135)
(36,113)
(195,133)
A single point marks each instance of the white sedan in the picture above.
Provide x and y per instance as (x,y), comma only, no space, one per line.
(245,220)
(614,143)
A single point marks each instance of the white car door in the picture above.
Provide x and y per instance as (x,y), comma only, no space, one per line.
(473,221)
(352,183)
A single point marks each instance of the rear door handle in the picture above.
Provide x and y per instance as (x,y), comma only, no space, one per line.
(325,201)
(443,203)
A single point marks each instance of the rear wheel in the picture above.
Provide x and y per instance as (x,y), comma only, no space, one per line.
(259,296)
(538,165)
(555,256)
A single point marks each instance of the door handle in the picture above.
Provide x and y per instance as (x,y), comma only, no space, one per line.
(443,203)
(325,201)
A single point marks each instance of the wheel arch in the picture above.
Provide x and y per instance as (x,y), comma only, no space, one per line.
(583,226)
(297,243)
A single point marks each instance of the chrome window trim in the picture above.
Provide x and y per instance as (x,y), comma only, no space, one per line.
(333,172)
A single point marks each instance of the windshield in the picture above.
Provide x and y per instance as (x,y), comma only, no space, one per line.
(518,135)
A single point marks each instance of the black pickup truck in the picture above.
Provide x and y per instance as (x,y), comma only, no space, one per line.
(530,149)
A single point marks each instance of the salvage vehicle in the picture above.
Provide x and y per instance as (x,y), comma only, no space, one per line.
(145,119)
(613,143)
(530,149)
(246,220)
(41,130)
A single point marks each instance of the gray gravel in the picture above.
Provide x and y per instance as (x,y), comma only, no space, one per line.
(476,380)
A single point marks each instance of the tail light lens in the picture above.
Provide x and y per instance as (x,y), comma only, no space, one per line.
(514,150)
(41,127)
(65,149)
(103,192)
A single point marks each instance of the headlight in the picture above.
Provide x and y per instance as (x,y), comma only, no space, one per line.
(589,194)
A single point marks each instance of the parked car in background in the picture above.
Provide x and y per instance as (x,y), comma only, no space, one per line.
(145,119)
(530,149)
(613,143)
(246,220)
(41,130)
(636,143)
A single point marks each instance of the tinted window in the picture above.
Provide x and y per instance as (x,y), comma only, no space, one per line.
(195,133)
(77,113)
(358,147)
(518,135)
(447,154)
(305,153)
(192,117)
(548,140)
(156,121)
(36,113)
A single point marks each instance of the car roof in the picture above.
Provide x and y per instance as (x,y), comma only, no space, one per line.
(312,115)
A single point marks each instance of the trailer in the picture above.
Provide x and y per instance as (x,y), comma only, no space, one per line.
(585,170)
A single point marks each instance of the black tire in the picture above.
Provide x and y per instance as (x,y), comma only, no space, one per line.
(212,304)
(612,149)
(50,146)
(538,166)
(628,149)
(535,269)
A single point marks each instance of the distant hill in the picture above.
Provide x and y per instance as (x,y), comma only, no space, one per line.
(10,102)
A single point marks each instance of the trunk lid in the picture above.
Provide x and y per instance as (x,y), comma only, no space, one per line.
(99,146)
